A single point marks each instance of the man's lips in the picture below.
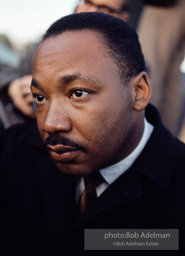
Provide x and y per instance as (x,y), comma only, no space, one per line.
(59,149)
(63,153)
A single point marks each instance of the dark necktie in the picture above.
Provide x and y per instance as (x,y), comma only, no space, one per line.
(89,194)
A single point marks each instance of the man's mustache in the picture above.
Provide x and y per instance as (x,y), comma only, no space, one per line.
(54,139)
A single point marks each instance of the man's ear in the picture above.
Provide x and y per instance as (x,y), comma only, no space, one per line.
(141,91)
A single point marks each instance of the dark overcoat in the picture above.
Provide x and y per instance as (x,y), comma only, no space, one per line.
(38,209)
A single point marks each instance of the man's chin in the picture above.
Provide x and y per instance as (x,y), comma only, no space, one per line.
(71,168)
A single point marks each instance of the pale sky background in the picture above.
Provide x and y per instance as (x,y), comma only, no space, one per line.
(26,20)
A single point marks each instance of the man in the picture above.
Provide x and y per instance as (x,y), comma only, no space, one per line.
(15,82)
(91,92)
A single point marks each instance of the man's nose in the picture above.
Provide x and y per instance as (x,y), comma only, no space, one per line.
(57,119)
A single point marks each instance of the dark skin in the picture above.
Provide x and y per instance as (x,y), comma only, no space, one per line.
(81,97)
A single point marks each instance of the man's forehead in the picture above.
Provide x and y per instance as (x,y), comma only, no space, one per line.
(74,52)
(69,38)
(70,47)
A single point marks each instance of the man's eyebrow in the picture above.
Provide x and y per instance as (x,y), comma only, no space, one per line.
(73,77)
(67,79)
(35,83)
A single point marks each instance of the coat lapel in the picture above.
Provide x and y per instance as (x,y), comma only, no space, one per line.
(58,196)
(123,190)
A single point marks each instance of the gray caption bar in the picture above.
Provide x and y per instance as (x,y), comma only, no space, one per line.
(131,239)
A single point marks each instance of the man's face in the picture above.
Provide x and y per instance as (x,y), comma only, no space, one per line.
(84,111)
(112,7)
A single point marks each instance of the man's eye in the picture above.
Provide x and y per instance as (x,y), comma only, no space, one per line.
(39,98)
(79,94)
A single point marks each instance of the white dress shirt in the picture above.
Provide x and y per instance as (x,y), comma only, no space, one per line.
(111,173)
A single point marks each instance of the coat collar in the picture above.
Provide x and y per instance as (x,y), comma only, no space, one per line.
(157,160)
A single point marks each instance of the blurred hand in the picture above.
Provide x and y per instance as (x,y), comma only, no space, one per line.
(20,94)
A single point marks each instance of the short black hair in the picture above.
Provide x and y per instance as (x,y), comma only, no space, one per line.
(120,39)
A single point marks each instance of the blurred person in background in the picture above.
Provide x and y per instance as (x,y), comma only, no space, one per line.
(16,102)
(117,8)
(162,35)
(128,10)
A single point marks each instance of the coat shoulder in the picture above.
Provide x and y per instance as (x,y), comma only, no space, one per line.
(19,140)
